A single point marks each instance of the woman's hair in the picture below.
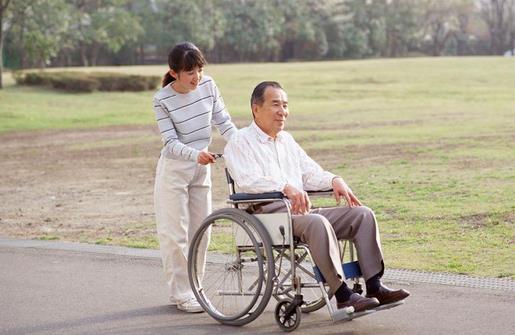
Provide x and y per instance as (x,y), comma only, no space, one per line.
(183,57)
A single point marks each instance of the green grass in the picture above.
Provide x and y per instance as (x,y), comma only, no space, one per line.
(428,143)
(48,238)
(145,242)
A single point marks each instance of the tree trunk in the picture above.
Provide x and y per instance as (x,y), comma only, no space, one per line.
(1,45)
(94,54)
(23,54)
(3,8)
(84,56)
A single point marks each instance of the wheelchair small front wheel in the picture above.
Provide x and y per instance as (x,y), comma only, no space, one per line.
(287,316)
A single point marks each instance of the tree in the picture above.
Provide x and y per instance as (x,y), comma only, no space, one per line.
(102,24)
(302,32)
(511,27)
(379,27)
(464,11)
(496,15)
(402,26)
(251,30)
(3,11)
(440,24)
(39,27)
(355,28)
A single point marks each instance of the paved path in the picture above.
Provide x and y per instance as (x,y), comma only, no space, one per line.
(59,288)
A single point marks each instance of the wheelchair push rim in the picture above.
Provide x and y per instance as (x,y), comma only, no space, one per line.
(236,282)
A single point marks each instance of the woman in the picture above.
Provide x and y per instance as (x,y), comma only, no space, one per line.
(186,108)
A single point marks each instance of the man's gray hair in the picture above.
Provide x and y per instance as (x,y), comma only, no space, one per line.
(258,95)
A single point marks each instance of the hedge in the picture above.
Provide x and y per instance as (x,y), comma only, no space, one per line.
(88,82)
(74,84)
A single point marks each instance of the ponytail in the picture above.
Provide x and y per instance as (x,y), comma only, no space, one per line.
(167,79)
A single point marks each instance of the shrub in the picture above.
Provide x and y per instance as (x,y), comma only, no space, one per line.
(74,83)
(33,79)
(135,83)
(123,82)
(88,82)
(152,82)
(109,81)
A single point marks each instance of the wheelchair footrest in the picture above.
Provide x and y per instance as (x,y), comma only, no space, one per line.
(388,306)
(350,270)
(347,314)
(344,315)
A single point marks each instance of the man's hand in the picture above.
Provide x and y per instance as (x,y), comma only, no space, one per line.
(300,203)
(205,158)
(341,189)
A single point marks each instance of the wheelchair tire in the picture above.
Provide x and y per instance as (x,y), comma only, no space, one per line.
(235,282)
(290,322)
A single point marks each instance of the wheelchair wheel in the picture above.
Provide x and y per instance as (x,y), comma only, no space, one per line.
(312,296)
(287,321)
(235,282)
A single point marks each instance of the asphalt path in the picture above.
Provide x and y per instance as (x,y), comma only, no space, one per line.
(50,291)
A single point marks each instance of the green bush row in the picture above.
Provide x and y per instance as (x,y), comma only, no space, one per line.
(88,82)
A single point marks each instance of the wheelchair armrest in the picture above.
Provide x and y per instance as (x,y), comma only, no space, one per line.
(256,196)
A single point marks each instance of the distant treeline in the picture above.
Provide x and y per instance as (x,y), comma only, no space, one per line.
(39,33)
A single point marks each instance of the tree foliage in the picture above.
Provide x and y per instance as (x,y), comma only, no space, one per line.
(90,32)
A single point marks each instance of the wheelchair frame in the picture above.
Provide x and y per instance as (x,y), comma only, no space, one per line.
(258,242)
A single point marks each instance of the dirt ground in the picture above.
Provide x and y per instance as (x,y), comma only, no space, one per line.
(83,185)
(96,185)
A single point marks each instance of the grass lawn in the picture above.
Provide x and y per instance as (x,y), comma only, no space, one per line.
(428,143)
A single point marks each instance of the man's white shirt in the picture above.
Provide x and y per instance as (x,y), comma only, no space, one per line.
(258,163)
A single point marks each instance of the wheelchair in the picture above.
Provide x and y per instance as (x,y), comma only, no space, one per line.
(237,262)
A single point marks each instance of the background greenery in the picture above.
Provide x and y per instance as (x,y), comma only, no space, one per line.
(41,33)
(428,143)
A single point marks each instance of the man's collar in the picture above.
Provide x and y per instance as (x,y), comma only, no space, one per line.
(262,136)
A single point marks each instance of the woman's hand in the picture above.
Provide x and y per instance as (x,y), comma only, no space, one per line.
(205,158)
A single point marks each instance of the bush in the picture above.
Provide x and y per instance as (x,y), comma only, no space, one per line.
(88,82)
(32,79)
(123,82)
(109,81)
(74,83)
(152,82)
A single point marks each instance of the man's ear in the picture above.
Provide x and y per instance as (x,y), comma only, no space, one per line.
(254,110)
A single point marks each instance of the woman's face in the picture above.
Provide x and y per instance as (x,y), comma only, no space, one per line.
(187,81)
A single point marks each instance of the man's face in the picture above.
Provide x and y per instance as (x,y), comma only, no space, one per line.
(271,115)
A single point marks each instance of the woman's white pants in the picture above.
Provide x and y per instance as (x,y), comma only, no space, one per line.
(182,199)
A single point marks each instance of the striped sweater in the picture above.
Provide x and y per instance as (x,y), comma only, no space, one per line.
(185,120)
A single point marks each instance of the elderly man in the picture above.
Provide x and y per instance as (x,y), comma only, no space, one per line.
(264,158)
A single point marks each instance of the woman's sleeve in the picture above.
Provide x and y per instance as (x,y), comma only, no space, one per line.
(174,148)
(221,118)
